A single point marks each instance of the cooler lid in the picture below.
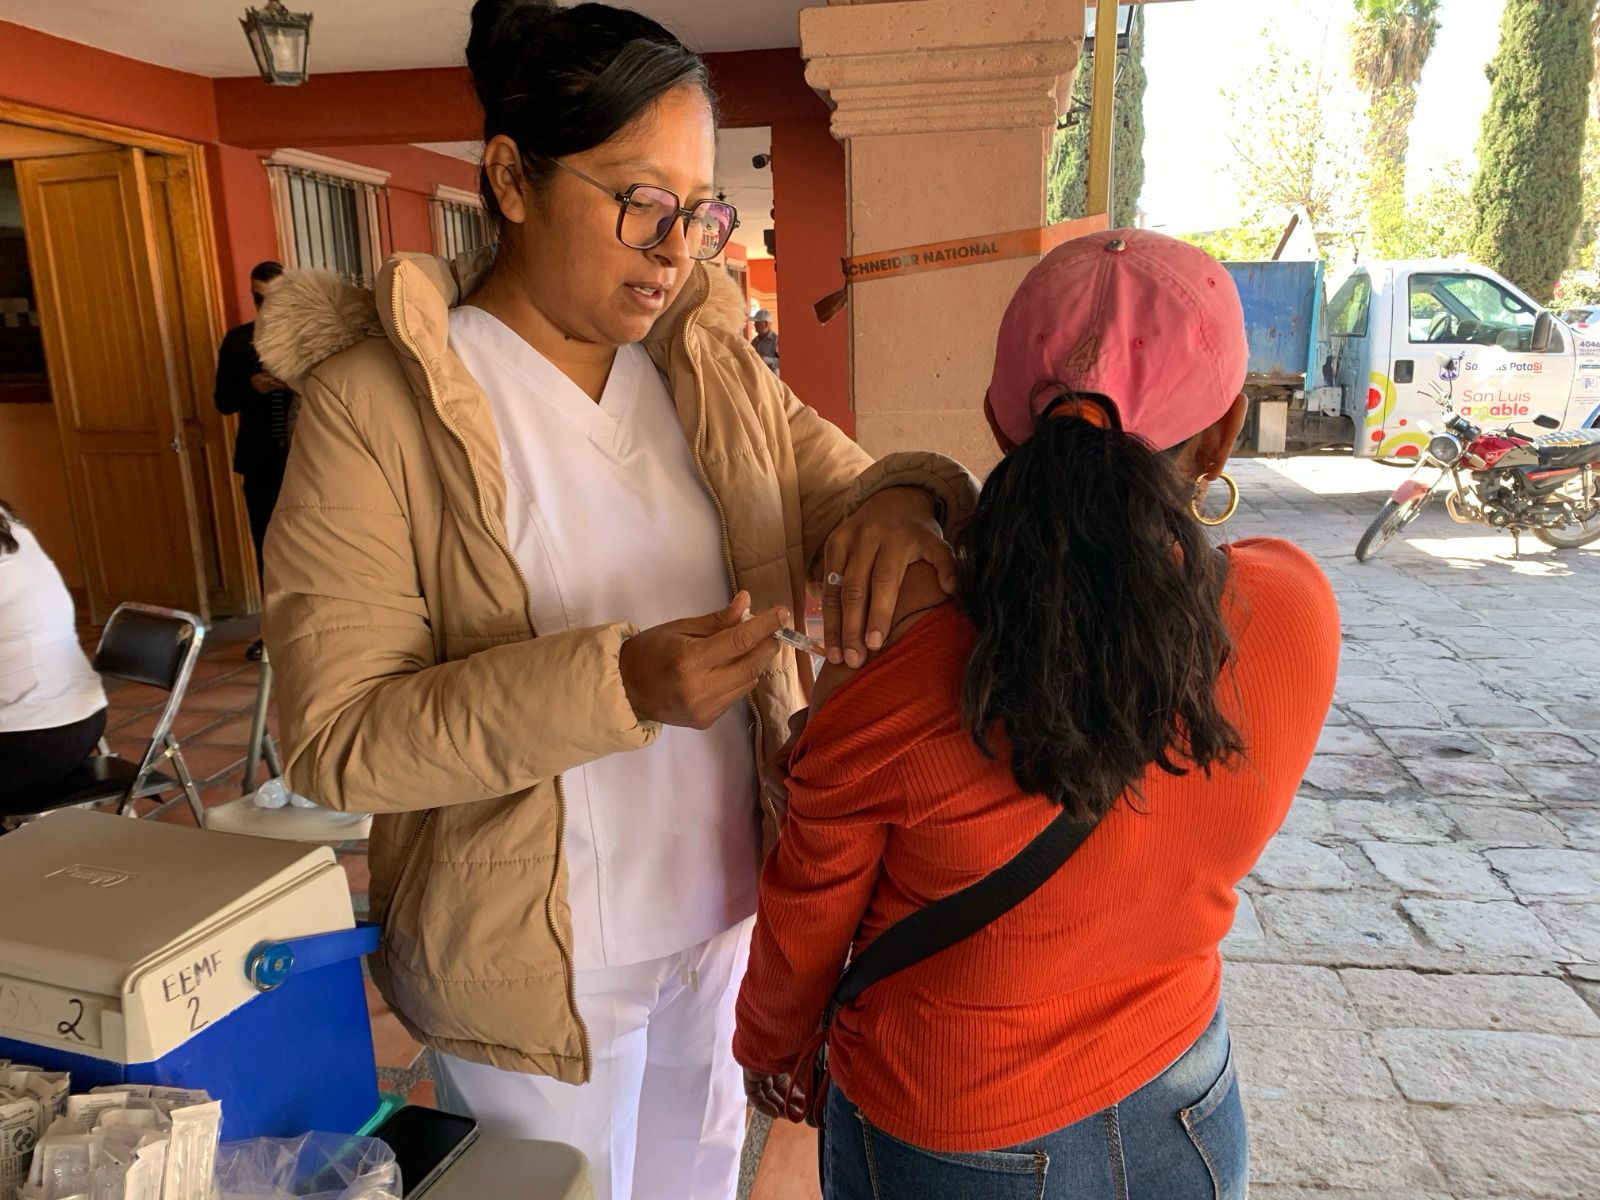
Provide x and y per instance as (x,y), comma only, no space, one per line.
(88,897)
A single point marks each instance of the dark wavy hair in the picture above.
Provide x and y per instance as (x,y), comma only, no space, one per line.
(1097,598)
(8,540)
(559,81)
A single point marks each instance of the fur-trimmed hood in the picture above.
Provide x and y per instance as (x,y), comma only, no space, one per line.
(311,315)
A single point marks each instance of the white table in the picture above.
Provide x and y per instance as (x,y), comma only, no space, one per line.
(494,1168)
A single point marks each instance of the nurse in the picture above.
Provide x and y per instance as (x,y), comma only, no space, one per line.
(531,499)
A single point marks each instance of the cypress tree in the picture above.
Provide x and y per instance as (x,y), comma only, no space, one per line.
(1068,180)
(1527,198)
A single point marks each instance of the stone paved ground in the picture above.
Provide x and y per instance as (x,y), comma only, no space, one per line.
(1414,977)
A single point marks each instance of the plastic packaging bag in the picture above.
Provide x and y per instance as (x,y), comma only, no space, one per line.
(19,1130)
(271,794)
(274,793)
(192,1152)
(319,1166)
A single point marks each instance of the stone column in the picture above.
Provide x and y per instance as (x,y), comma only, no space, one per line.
(945,109)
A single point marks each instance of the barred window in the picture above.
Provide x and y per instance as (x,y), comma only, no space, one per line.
(459,222)
(330,214)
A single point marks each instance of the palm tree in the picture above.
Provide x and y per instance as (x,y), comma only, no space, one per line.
(1389,45)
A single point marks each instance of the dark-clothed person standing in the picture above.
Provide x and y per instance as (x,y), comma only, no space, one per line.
(766,339)
(265,405)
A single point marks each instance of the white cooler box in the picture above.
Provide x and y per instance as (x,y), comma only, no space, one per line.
(143,952)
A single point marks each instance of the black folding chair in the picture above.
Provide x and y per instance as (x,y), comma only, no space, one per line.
(141,644)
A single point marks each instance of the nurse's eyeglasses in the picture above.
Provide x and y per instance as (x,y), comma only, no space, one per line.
(646,215)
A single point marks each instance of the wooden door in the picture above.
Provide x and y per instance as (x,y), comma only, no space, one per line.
(182,249)
(113,379)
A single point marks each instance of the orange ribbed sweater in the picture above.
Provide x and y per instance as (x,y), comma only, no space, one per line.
(1100,980)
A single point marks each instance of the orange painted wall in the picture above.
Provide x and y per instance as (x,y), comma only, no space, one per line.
(809,199)
(246,231)
(764,274)
(768,87)
(357,108)
(54,73)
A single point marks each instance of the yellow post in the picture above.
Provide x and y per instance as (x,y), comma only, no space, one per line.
(1102,103)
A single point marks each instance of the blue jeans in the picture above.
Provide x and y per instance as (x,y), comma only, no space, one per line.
(1180,1137)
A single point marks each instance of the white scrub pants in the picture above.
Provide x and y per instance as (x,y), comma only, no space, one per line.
(662,1118)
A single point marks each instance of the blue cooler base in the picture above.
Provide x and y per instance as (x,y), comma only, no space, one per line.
(289,1061)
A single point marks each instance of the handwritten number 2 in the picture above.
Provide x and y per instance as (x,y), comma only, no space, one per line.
(195,1023)
(70,1028)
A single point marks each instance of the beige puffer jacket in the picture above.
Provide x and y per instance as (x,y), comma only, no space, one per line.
(410,682)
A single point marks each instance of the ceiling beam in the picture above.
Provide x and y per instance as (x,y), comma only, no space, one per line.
(356,108)
(364,108)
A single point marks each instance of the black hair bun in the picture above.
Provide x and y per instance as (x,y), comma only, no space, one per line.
(560,81)
(499,28)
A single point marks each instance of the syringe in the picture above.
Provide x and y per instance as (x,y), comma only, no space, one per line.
(793,637)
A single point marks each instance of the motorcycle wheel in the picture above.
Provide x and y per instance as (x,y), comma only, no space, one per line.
(1572,536)
(1391,519)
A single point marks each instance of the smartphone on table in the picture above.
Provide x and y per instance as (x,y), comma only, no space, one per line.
(425,1142)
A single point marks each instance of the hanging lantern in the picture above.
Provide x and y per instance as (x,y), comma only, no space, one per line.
(281,42)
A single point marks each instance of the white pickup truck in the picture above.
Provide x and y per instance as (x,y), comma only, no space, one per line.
(1360,370)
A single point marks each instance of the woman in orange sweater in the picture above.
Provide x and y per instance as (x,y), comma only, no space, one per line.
(1101,655)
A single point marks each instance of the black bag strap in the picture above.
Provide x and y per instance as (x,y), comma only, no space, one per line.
(956,917)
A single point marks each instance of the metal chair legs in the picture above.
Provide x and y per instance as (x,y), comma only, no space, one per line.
(261,744)
(187,780)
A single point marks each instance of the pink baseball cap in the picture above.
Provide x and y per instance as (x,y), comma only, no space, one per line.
(1151,323)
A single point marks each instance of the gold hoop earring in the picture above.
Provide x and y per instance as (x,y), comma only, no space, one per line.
(1200,490)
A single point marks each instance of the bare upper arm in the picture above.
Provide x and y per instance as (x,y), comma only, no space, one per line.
(920,594)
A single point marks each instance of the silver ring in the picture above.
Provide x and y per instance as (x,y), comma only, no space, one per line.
(834,579)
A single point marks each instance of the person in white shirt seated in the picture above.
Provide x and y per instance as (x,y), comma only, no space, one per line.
(52,707)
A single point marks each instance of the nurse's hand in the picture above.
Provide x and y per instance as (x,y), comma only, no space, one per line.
(865,560)
(692,671)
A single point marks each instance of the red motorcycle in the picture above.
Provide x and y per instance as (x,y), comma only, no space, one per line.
(1547,485)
